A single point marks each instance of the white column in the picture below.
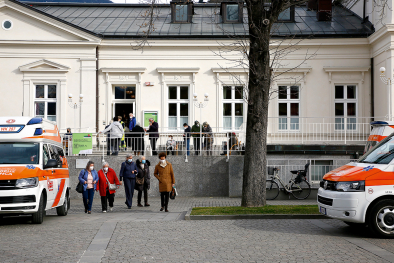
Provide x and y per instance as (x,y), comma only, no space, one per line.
(27,99)
(62,101)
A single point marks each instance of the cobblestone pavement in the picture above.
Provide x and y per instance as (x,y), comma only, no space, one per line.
(147,235)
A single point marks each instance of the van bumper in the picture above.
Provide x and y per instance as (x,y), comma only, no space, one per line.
(346,206)
(20,201)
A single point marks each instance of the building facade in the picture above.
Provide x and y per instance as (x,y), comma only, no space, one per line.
(325,90)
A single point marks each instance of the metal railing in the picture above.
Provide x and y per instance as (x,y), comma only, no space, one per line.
(173,143)
(316,170)
(340,130)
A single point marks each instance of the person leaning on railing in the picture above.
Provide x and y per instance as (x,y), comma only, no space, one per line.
(208,138)
(153,134)
(186,136)
(137,139)
(196,136)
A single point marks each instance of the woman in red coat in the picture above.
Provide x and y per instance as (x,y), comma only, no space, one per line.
(103,186)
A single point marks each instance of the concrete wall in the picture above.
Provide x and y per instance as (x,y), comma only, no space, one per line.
(201,176)
(206,176)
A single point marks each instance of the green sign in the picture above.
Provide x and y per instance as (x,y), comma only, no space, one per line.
(148,115)
(82,143)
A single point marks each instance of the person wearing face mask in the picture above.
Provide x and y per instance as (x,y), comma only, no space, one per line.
(107,176)
(128,172)
(88,178)
(143,180)
(165,174)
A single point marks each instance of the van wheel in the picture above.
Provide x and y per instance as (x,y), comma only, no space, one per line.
(38,217)
(63,210)
(381,218)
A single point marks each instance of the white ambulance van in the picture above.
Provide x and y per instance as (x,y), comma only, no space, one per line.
(34,173)
(379,131)
(363,191)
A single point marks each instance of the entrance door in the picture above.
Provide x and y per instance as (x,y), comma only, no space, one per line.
(124,109)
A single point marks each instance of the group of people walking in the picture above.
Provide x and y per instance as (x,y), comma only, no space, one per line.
(134,176)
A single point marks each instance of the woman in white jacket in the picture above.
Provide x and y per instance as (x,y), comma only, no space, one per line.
(116,133)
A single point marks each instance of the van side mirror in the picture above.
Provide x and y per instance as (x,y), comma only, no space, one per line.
(52,163)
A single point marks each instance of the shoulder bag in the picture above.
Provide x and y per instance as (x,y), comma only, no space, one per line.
(110,186)
(79,188)
(173,193)
(140,181)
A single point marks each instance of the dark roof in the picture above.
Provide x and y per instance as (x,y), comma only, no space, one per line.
(70,1)
(126,20)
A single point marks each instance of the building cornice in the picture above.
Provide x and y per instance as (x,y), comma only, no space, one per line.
(123,70)
(53,67)
(177,70)
(346,69)
(230,70)
(292,70)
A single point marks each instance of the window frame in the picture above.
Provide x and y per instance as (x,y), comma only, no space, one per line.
(223,12)
(288,102)
(233,101)
(190,11)
(124,99)
(46,100)
(178,101)
(345,101)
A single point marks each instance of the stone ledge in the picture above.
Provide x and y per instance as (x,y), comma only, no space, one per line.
(259,216)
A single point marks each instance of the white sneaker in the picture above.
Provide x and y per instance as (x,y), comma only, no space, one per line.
(111,209)
(104,211)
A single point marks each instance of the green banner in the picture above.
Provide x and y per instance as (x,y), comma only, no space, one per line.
(148,115)
(82,143)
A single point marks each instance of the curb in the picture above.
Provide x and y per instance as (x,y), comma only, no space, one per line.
(260,216)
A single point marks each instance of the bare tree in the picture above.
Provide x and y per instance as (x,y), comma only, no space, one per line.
(260,56)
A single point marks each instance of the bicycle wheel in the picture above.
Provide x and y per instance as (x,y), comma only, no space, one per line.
(271,189)
(301,190)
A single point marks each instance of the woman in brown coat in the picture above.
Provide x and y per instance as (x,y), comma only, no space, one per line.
(165,174)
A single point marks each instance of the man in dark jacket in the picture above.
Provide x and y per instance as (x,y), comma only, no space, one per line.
(153,134)
(196,134)
(137,137)
(128,172)
(186,135)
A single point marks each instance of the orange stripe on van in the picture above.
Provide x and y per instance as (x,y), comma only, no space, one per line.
(59,193)
(376,138)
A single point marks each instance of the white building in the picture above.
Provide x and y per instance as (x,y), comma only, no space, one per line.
(50,50)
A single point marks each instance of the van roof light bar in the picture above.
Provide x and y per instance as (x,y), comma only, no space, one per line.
(35,121)
(379,123)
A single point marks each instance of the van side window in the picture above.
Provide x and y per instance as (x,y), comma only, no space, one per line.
(55,155)
(45,154)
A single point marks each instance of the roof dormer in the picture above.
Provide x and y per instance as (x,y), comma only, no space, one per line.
(182,11)
(232,11)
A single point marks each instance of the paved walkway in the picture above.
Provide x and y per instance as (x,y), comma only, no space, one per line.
(147,235)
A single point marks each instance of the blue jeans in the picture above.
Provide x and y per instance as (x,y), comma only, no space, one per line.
(88,198)
(129,184)
(188,146)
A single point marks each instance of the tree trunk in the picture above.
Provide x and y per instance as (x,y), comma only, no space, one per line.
(255,162)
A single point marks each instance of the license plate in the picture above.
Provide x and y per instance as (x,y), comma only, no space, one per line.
(323,210)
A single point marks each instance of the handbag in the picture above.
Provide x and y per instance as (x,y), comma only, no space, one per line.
(110,186)
(173,193)
(139,180)
(79,188)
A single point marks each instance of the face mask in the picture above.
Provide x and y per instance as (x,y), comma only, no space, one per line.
(105,169)
(91,168)
(143,161)
(129,160)
(163,161)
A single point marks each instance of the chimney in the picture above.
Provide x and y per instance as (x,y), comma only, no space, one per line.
(324,10)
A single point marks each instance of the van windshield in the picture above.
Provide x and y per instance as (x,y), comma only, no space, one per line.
(382,153)
(19,153)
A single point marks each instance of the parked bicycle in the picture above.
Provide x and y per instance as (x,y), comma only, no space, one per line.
(298,187)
